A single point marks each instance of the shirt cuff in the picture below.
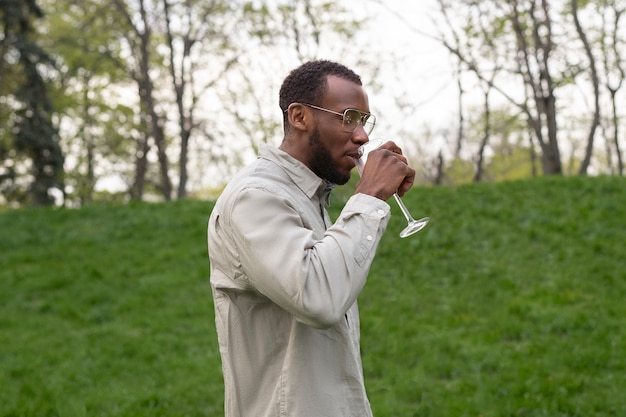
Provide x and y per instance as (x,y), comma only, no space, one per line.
(371,206)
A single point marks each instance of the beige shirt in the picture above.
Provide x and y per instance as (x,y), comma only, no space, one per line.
(285,282)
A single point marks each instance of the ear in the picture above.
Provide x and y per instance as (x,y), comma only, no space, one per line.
(299,116)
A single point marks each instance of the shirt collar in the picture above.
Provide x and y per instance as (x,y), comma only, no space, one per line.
(310,184)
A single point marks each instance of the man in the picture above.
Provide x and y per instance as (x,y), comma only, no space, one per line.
(285,279)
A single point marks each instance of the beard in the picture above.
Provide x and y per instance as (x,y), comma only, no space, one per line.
(322,162)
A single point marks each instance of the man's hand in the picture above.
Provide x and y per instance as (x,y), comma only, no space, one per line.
(386,172)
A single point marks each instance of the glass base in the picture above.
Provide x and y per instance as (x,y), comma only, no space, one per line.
(414,227)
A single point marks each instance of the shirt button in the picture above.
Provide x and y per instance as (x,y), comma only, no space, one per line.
(369,237)
(381,212)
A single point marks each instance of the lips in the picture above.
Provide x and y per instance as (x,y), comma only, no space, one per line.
(354,154)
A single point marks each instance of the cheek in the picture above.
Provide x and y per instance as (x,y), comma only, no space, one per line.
(335,143)
(338,153)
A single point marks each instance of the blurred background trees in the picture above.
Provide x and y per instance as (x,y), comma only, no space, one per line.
(163,99)
(31,160)
(543,58)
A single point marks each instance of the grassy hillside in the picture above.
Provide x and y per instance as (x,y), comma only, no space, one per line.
(510,303)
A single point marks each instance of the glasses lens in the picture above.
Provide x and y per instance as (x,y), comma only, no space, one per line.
(369,121)
(353,118)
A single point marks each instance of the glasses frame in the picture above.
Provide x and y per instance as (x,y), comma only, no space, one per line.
(368,124)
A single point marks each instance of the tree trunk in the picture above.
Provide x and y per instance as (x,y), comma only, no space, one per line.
(478,174)
(86,191)
(184,149)
(460,132)
(618,151)
(141,167)
(613,47)
(179,82)
(533,66)
(551,153)
(150,117)
(440,169)
(146,94)
(596,89)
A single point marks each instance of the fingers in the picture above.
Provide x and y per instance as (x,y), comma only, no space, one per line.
(386,172)
(407,183)
(404,169)
(391,146)
(397,153)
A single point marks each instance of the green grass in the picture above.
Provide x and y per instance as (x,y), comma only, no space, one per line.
(510,303)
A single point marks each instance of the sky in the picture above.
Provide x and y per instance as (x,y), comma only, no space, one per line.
(416,64)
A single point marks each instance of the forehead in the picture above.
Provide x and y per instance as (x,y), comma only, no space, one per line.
(343,94)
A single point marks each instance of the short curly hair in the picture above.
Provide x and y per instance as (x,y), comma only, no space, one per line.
(308,83)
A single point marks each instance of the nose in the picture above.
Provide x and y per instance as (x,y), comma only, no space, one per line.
(359,135)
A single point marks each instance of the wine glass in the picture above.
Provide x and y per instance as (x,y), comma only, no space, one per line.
(413,225)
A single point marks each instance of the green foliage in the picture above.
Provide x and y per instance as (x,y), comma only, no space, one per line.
(307,21)
(513,164)
(82,35)
(101,122)
(458,171)
(34,132)
(510,303)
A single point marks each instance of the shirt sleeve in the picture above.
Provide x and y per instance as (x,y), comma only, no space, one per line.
(316,280)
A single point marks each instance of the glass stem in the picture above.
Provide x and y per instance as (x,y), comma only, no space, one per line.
(403,208)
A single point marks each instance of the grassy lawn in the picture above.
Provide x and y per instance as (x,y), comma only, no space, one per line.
(510,303)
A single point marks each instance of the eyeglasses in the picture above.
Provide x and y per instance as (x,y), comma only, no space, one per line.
(351,118)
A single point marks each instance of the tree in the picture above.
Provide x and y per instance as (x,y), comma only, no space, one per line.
(34,132)
(529,42)
(269,38)
(551,51)
(593,72)
(139,22)
(474,43)
(614,72)
(532,24)
(98,126)
(204,32)
(179,54)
